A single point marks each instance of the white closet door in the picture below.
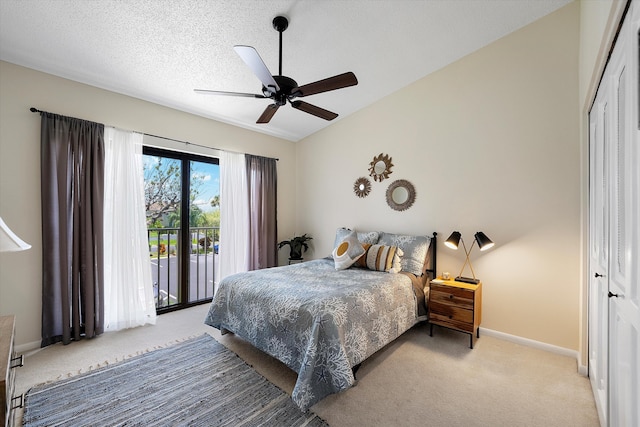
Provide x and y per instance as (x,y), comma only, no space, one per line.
(598,251)
(624,230)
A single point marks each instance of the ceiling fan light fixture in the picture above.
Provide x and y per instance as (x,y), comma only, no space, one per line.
(280,88)
(280,99)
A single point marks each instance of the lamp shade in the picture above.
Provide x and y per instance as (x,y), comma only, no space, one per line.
(9,242)
(484,242)
(454,240)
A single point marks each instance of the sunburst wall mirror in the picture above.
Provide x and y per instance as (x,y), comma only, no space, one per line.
(362,187)
(380,167)
(400,195)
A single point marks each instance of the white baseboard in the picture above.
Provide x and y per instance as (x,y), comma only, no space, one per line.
(23,348)
(582,370)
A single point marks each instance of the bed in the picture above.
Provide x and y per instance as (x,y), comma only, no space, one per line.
(323,320)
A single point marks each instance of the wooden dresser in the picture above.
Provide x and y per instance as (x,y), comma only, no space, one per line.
(8,362)
(456,305)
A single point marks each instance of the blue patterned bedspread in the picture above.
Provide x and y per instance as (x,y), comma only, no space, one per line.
(318,321)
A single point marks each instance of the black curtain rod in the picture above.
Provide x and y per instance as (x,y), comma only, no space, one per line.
(35,110)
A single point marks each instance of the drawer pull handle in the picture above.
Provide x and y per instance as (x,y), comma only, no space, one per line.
(17,405)
(450,317)
(17,362)
(450,296)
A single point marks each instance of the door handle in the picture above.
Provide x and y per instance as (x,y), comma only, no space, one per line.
(598,275)
(611,294)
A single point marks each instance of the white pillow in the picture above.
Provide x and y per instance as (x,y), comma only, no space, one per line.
(348,251)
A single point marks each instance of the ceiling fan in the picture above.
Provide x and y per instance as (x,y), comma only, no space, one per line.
(282,88)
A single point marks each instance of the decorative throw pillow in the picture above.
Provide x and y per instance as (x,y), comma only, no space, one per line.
(348,251)
(415,250)
(362,261)
(383,258)
(370,237)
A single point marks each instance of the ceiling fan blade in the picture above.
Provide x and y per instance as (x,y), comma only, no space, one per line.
(332,83)
(268,113)
(251,57)
(312,109)
(219,92)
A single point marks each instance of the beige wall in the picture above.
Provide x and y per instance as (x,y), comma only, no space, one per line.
(491,144)
(22,88)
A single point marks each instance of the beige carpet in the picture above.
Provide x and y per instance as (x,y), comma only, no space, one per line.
(417,380)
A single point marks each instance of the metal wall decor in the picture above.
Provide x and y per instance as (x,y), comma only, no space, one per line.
(362,187)
(380,167)
(400,195)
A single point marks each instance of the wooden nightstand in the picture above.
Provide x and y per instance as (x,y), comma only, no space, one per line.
(456,305)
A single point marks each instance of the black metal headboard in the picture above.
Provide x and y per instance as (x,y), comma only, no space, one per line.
(431,254)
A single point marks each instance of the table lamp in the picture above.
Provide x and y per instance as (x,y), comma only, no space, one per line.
(484,243)
(9,242)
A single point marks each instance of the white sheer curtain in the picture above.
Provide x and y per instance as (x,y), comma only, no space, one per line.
(128,289)
(234,215)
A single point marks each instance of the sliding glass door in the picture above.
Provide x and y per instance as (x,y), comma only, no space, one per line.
(183,222)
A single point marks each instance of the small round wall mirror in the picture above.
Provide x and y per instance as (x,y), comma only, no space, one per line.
(400,195)
(380,167)
(362,187)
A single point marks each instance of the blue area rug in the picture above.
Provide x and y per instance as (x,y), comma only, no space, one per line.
(198,382)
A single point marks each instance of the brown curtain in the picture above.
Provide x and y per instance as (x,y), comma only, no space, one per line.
(72,162)
(262,186)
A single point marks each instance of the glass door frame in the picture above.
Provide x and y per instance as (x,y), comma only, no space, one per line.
(184,235)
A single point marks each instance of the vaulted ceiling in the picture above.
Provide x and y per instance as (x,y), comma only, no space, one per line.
(160,50)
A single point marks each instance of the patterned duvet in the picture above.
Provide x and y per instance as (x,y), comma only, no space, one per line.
(318,321)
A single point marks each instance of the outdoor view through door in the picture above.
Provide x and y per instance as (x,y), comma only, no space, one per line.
(182,198)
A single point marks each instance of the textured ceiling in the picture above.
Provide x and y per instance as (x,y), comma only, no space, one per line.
(160,50)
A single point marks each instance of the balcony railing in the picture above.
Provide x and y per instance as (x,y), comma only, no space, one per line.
(165,251)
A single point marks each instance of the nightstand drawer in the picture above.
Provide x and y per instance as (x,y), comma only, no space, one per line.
(456,305)
(450,295)
(446,312)
(451,323)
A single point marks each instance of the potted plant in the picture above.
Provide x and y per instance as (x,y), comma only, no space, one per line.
(296,245)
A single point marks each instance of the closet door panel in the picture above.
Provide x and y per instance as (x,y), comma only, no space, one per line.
(598,253)
(624,234)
